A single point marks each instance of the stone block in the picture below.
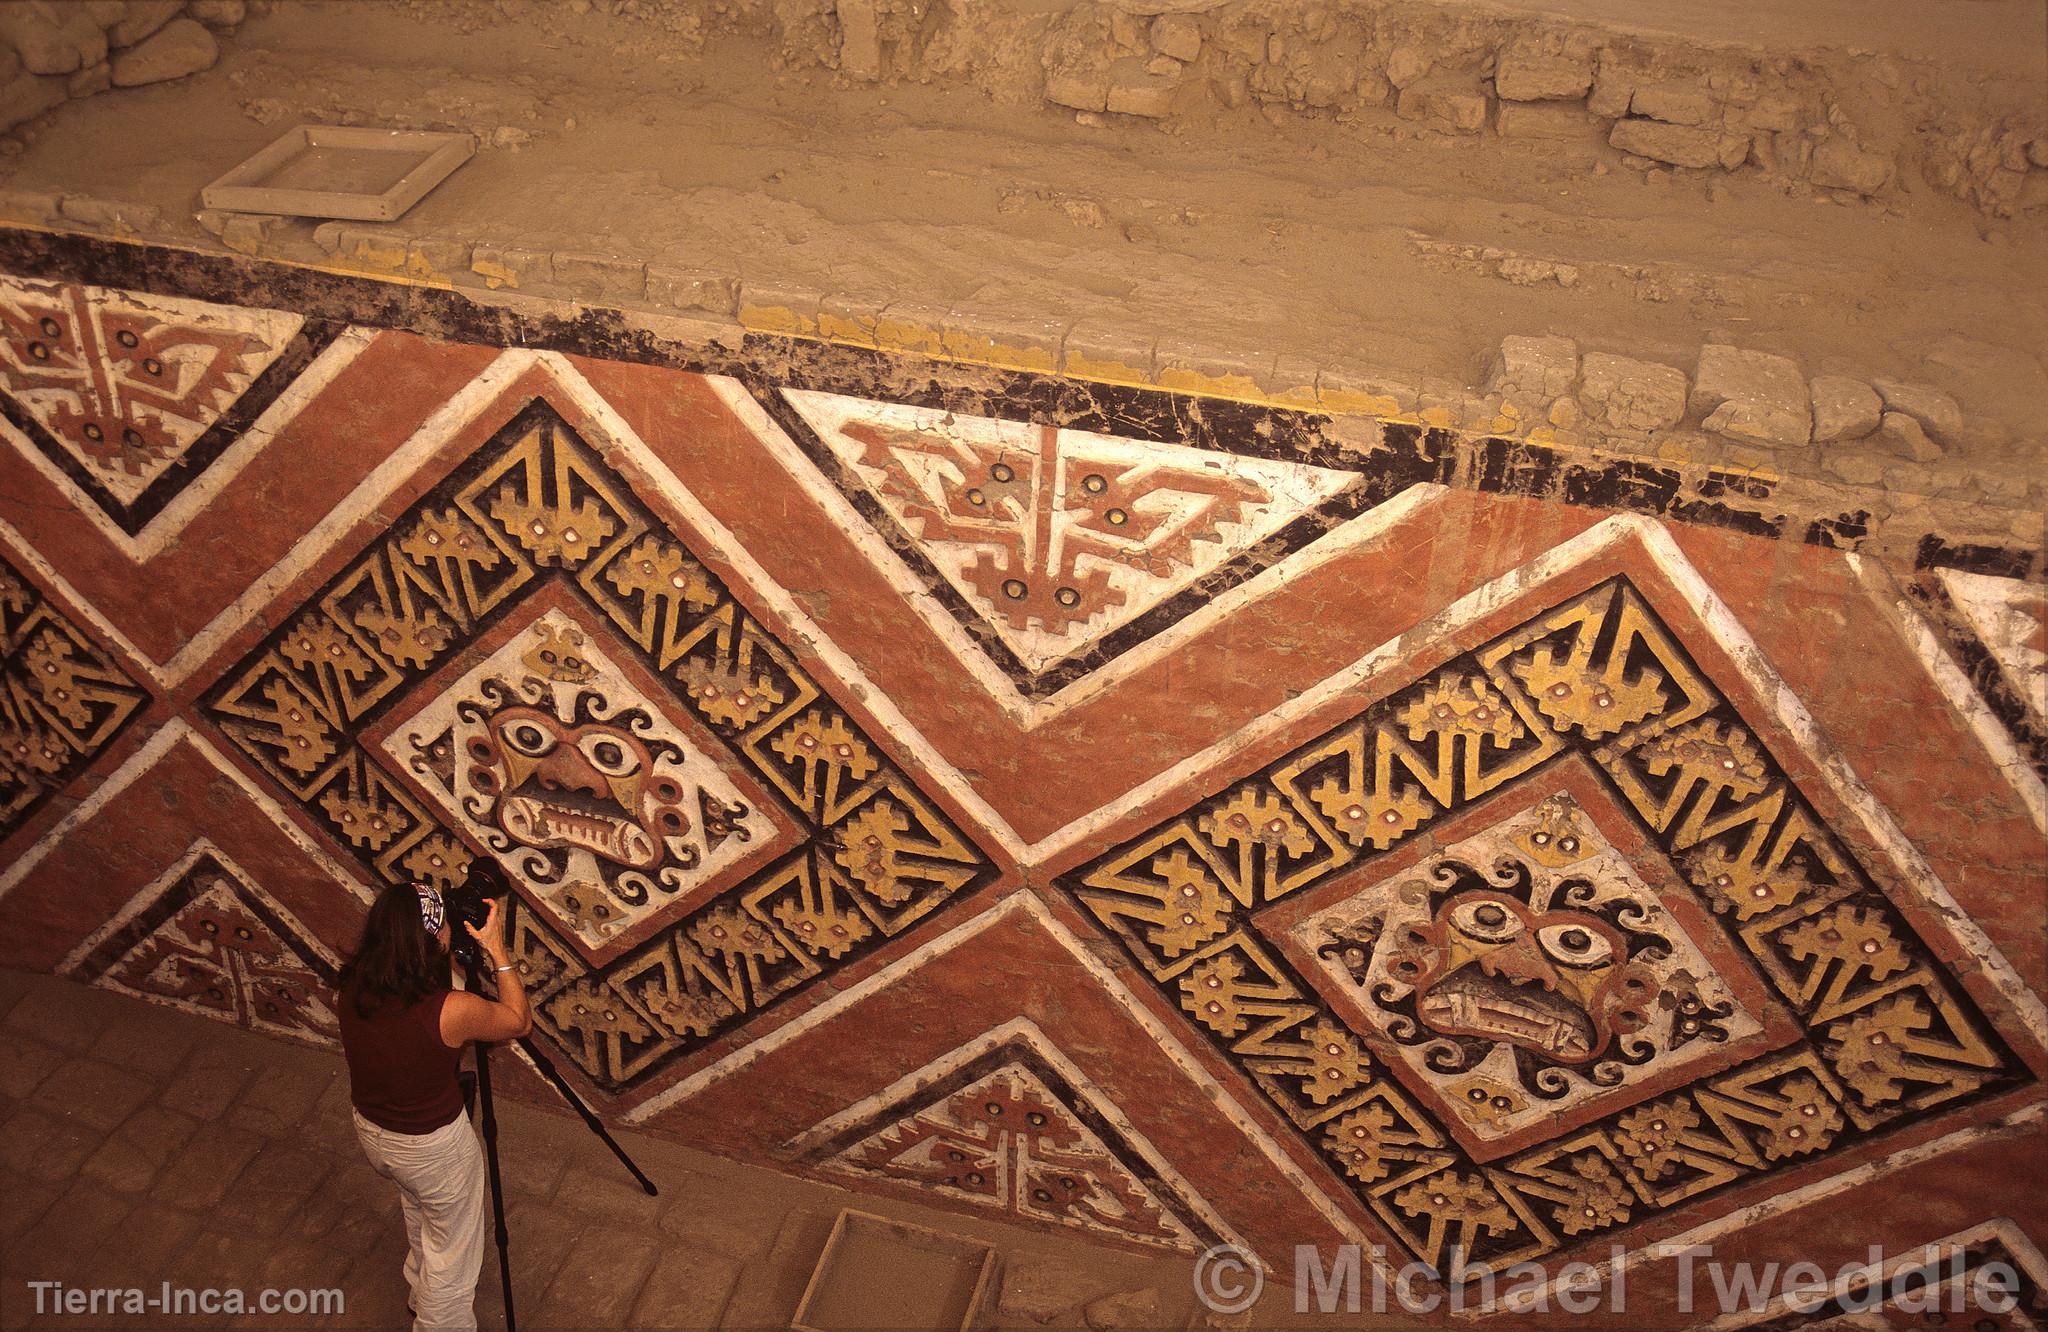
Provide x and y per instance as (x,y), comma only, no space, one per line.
(609,1193)
(1084,90)
(141,18)
(371,248)
(1445,102)
(1526,73)
(860,39)
(1534,367)
(1840,165)
(52,38)
(1546,120)
(24,1063)
(596,1282)
(218,13)
(1928,405)
(1111,352)
(1773,112)
(22,1204)
(604,277)
(92,79)
(1177,35)
(92,1091)
(278,1102)
(1076,62)
(1902,436)
(200,1175)
(1192,366)
(272,1188)
(918,327)
(686,1289)
(511,266)
(32,206)
(1124,1309)
(52,1012)
(116,215)
(1133,91)
(1406,65)
(1631,394)
(246,233)
(1613,86)
(26,96)
(678,287)
(44,1146)
(1005,336)
(206,1087)
(437,260)
(1680,145)
(73,1226)
(1367,392)
(130,1160)
(1843,408)
(777,307)
(1751,396)
(1673,103)
(179,48)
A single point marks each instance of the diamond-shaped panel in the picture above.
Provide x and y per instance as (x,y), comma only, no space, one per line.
(1525,971)
(1881,1031)
(536,530)
(607,804)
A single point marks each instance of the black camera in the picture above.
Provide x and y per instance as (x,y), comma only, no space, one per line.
(469,903)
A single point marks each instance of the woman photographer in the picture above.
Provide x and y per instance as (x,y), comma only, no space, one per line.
(403,1026)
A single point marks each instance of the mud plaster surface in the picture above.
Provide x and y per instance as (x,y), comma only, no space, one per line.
(1279,235)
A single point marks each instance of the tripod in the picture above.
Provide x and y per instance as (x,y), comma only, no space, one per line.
(473,971)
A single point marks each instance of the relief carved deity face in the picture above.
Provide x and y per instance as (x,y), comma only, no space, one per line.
(591,785)
(1558,983)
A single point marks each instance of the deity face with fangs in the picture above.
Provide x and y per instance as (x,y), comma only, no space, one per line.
(1558,982)
(590,785)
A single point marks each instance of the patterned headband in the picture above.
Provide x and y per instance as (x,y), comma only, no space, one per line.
(433,912)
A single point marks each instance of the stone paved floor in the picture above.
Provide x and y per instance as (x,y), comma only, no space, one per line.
(142,1145)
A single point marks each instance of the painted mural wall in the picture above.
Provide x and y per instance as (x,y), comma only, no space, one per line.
(1173,819)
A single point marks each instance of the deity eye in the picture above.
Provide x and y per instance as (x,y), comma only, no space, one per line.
(528,738)
(1574,945)
(1487,921)
(609,756)
(1567,844)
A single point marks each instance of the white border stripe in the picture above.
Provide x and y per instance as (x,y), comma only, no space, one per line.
(1956,687)
(150,891)
(162,529)
(145,759)
(1779,1204)
(1026,901)
(1857,1281)
(1023,1030)
(1877,821)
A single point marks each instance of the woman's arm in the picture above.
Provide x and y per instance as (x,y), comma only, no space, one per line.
(471,1017)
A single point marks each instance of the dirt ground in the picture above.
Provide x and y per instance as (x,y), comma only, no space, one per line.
(1360,240)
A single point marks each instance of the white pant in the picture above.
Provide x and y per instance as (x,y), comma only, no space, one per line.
(440,1178)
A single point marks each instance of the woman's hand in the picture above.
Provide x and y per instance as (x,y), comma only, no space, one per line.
(490,936)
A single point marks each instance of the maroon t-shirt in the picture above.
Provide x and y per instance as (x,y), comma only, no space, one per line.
(401,1075)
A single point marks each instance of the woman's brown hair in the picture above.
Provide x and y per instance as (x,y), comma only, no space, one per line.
(397,961)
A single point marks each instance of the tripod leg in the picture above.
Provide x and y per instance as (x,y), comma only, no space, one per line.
(561,1084)
(490,1127)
